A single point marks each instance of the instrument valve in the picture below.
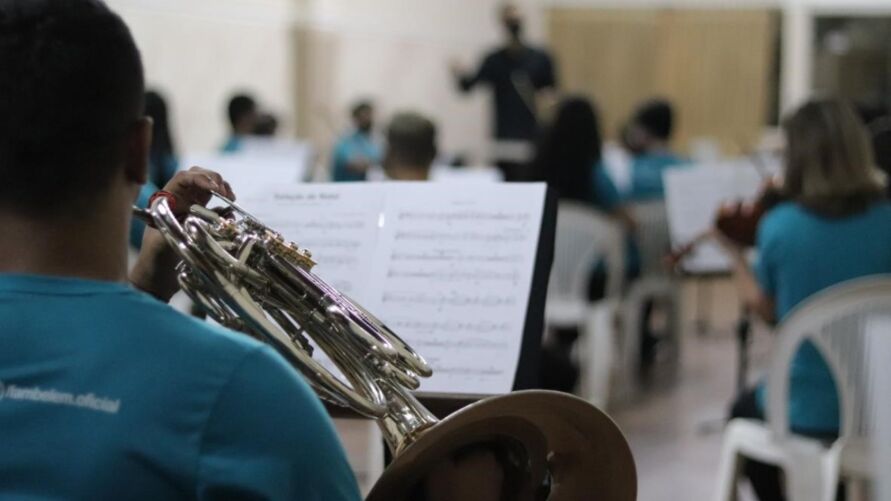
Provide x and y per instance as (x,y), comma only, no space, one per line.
(291,252)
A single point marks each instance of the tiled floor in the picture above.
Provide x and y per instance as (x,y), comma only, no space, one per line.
(674,426)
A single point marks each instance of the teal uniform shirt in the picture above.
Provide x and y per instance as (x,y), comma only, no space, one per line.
(106,393)
(232,145)
(646,175)
(800,254)
(354,145)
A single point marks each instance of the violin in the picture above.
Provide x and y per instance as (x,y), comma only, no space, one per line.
(737,222)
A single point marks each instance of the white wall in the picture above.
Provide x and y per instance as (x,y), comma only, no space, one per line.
(396,51)
(197,52)
(398,54)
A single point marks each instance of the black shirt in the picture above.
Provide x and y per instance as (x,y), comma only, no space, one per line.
(515,75)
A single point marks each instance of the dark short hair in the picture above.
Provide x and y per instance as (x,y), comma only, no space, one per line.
(71,86)
(267,125)
(656,117)
(239,106)
(411,139)
(361,106)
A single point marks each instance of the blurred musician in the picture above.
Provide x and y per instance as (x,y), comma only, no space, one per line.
(105,392)
(648,138)
(163,163)
(411,147)
(517,74)
(835,226)
(358,150)
(243,116)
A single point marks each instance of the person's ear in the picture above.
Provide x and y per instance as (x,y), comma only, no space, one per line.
(136,155)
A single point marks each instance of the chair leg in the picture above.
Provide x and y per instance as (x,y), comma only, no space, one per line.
(805,478)
(596,342)
(630,346)
(728,471)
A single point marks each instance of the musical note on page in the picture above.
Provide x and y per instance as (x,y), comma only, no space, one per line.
(454,276)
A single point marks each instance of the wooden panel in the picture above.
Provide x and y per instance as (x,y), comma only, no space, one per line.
(716,66)
(713,64)
(609,55)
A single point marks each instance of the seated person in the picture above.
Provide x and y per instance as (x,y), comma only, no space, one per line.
(411,147)
(836,226)
(568,158)
(163,163)
(243,115)
(358,150)
(162,160)
(648,136)
(107,393)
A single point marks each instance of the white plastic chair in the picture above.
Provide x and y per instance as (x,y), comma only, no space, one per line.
(655,282)
(835,322)
(585,236)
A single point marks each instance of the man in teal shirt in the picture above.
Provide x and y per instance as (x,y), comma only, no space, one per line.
(106,392)
(648,136)
(242,112)
(358,150)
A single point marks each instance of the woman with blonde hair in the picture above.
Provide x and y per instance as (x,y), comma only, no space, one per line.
(835,226)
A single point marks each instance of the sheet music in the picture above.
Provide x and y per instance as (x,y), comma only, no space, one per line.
(448,270)
(453,276)
(693,196)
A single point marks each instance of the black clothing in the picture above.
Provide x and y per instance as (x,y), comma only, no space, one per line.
(515,75)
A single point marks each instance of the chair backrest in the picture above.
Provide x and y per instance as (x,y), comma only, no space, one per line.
(836,321)
(652,236)
(585,236)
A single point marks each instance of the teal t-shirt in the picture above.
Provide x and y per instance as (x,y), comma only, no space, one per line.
(351,146)
(646,175)
(232,145)
(106,393)
(800,254)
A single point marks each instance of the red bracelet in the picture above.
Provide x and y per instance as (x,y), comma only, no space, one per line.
(171,199)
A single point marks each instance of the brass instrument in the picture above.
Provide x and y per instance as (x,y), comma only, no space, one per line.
(250,279)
